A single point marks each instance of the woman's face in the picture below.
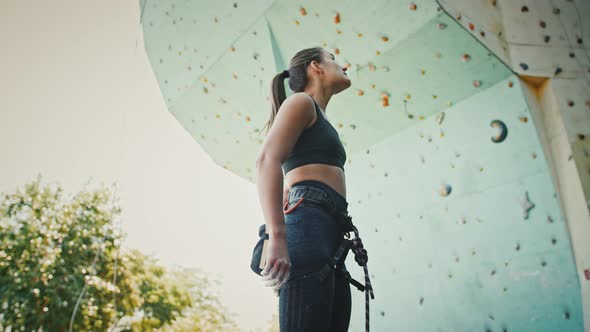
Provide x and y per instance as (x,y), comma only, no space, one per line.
(334,74)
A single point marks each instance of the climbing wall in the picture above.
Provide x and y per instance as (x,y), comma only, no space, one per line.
(447,179)
(545,42)
(462,225)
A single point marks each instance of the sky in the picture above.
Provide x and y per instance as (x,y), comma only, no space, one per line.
(79,103)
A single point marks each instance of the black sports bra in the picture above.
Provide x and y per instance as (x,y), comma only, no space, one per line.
(318,144)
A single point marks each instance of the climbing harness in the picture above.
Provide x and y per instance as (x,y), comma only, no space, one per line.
(346,226)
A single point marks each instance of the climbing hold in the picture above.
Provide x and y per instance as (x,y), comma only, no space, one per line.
(337,18)
(471,26)
(384,99)
(502,131)
(526,205)
(524,66)
(302,11)
(476,83)
(523,119)
(543,24)
(445,190)
(547,38)
(385,38)
(360,92)
(570,103)
(524,9)
(465,57)
(413,6)
(440,118)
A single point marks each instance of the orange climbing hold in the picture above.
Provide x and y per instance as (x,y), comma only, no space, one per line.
(302,11)
(337,18)
(384,99)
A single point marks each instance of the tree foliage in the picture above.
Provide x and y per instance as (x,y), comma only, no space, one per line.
(62,263)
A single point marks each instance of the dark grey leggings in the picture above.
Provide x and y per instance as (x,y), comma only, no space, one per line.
(307,303)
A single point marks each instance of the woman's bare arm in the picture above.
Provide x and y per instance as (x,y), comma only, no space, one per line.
(296,112)
(294,115)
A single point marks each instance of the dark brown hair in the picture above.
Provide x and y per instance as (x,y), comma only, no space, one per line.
(297,79)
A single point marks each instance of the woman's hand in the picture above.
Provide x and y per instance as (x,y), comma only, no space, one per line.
(278,265)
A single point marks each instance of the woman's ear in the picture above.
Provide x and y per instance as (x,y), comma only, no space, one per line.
(315,66)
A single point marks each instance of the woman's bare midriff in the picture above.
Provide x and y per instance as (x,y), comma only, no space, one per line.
(333,176)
